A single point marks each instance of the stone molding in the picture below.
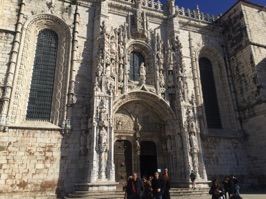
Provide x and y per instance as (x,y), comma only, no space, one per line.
(31,28)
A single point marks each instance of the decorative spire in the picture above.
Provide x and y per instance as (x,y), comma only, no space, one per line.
(171,4)
(138,4)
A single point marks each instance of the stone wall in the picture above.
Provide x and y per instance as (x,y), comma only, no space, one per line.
(248,61)
(30,161)
(41,162)
(225,156)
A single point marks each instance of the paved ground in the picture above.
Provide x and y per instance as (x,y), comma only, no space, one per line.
(253,195)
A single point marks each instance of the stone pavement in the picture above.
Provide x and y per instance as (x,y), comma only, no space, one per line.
(253,195)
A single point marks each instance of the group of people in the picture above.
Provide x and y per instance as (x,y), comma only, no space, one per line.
(229,189)
(155,187)
(158,186)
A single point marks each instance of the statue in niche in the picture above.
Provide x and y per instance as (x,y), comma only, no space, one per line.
(102,150)
(113,45)
(169,143)
(185,91)
(137,134)
(160,60)
(192,100)
(102,113)
(142,72)
(193,142)
(121,73)
(170,59)
(102,141)
(121,51)
(161,79)
(96,84)
(100,65)
(170,78)
(113,68)
(119,125)
(108,71)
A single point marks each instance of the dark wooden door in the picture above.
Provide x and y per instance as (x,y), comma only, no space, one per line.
(123,161)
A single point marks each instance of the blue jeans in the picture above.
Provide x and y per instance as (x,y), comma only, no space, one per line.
(158,197)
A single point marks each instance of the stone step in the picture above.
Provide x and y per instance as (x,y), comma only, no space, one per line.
(175,193)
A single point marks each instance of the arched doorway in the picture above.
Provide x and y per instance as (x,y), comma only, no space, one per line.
(122,160)
(148,158)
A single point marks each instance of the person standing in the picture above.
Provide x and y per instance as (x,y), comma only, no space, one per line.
(234,188)
(147,188)
(216,190)
(134,187)
(193,179)
(157,186)
(226,186)
(166,193)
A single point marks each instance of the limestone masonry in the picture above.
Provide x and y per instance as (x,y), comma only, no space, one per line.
(93,90)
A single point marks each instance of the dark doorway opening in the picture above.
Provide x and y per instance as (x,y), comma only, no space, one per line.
(123,160)
(148,158)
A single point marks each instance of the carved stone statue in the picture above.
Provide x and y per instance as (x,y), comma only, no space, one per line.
(102,150)
(121,52)
(102,141)
(169,143)
(170,78)
(121,73)
(142,78)
(193,143)
(161,79)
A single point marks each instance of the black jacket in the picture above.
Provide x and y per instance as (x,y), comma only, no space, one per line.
(139,187)
(157,184)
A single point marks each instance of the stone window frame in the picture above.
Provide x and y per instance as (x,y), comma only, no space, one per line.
(22,76)
(221,84)
(146,51)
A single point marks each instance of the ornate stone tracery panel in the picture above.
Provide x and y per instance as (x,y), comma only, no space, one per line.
(32,27)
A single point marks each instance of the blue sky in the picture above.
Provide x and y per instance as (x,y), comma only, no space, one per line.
(213,7)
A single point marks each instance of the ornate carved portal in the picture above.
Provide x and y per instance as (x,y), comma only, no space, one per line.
(139,131)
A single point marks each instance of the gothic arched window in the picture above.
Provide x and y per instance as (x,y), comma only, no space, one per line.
(135,61)
(209,94)
(42,82)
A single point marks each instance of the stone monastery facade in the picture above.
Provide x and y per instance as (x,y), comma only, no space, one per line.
(93,90)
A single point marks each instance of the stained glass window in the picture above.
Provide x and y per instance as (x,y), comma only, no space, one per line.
(209,94)
(42,83)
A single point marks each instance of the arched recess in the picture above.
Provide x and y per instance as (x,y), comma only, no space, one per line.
(23,75)
(221,84)
(152,110)
(146,51)
(158,105)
